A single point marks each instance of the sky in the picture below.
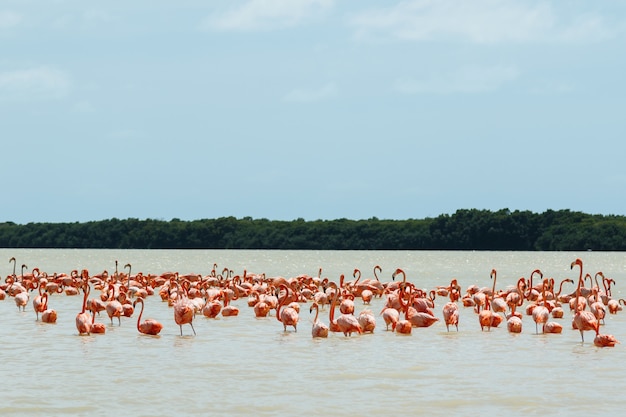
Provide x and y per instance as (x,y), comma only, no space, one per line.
(310,109)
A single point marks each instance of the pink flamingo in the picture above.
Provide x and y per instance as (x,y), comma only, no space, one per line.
(184,310)
(419,318)
(114,308)
(229,310)
(515,298)
(83,319)
(48,315)
(149,326)
(99,328)
(349,324)
(514,324)
(21,299)
(614,305)
(403,326)
(39,304)
(498,304)
(583,320)
(540,312)
(597,307)
(288,316)
(486,317)
(533,293)
(605,340)
(557,312)
(391,316)
(260,307)
(333,326)
(319,329)
(367,321)
(347,303)
(213,307)
(451,309)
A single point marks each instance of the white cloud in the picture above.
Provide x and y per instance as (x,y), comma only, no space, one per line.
(9,19)
(479,21)
(463,80)
(267,14)
(41,83)
(310,95)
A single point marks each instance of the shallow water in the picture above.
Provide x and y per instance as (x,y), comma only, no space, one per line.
(243,365)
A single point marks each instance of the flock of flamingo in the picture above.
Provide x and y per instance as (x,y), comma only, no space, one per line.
(405,305)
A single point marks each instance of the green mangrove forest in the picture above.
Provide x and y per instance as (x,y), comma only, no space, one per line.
(467,229)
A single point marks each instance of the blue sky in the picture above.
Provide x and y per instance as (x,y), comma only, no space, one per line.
(314,109)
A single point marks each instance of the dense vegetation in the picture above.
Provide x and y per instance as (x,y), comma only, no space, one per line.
(464,230)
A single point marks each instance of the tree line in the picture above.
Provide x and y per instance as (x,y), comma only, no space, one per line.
(467,229)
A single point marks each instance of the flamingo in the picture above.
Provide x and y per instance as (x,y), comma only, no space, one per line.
(12,259)
(84,319)
(605,340)
(367,321)
(319,329)
(391,317)
(99,328)
(149,326)
(486,316)
(347,303)
(583,320)
(48,315)
(183,311)
(451,309)
(39,304)
(213,307)
(333,326)
(260,307)
(614,305)
(129,269)
(420,319)
(557,312)
(349,324)
(515,298)
(540,312)
(229,310)
(21,300)
(288,316)
(498,304)
(403,326)
(514,324)
(597,307)
(114,308)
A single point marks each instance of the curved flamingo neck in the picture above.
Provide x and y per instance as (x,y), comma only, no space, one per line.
(281,300)
(317,311)
(494,276)
(578,262)
(140,313)
(377,267)
(86,290)
(333,304)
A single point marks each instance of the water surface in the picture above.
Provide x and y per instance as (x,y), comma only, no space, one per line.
(244,366)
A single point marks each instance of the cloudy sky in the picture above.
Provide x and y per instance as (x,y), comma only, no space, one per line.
(313,109)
